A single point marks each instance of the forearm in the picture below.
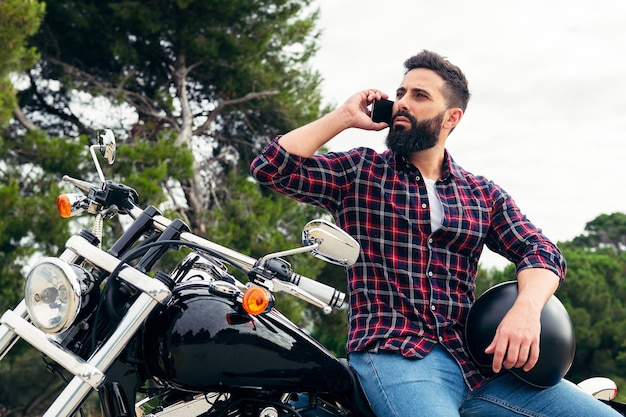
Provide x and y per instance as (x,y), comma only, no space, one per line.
(535,287)
(306,140)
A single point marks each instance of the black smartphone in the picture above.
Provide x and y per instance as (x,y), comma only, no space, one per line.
(382,111)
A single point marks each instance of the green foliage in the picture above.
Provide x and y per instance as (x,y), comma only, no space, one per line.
(606,230)
(54,156)
(486,279)
(593,293)
(29,221)
(147,166)
(174,62)
(150,53)
(27,391)
(229,74)
(19,19)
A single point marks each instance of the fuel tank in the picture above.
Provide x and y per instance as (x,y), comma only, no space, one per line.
(204,341)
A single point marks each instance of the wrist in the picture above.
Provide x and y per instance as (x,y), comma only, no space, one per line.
(529,305)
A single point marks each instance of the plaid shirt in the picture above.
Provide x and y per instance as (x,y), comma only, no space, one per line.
(411,287)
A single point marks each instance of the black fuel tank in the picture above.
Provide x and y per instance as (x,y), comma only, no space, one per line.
(205,342)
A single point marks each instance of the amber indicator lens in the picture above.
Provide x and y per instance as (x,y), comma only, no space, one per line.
(257,300)
(64,206)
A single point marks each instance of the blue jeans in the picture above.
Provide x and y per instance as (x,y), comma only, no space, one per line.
(434,387)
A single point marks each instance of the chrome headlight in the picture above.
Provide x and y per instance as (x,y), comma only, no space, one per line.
(53,294)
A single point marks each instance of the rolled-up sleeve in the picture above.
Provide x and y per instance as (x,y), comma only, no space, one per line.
(318,180)
(269,167)
(515,237)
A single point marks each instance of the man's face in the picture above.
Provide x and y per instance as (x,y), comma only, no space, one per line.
(419,111)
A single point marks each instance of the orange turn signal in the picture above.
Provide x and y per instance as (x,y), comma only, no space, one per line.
(64,205)
(257,300)
(69,205)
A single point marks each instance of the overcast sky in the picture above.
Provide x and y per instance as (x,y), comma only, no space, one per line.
(547,117)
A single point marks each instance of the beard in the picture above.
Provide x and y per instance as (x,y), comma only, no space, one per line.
(422,135)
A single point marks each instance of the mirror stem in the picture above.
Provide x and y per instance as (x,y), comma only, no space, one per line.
(261,262)
(95,161)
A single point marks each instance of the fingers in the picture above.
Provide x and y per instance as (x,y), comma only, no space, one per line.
(358,108)
(373,94)
(510,354)
(522,357)
(499,350)
(533,357)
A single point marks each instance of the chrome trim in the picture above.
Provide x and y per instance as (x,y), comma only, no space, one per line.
(83,370)
(73,302)
(153,287)
(239,259)
(69,256)
(199,404)
(75,393)
(8,338)
(224,288)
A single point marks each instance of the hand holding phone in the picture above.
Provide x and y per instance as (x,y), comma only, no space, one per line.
(382,111)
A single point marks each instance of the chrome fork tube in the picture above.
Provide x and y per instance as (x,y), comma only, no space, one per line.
(77,390)
(8,338)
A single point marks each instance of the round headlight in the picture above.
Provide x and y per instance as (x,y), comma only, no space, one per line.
(53,294)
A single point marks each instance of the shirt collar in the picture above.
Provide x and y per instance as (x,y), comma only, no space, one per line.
(400,163)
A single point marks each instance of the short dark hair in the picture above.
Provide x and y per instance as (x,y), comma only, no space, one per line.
(455,91)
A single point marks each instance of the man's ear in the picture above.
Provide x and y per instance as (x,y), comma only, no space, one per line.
(453,117)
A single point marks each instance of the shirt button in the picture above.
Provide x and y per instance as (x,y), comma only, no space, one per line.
(430,240)
(441,338)
(432,307)
(417,178)
(430,273)
(424,205)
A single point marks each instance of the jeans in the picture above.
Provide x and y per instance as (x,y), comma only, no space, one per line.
(434,387)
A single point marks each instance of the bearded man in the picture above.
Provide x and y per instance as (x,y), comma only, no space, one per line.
(422,222)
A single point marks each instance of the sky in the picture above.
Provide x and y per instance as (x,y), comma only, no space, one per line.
(547,116)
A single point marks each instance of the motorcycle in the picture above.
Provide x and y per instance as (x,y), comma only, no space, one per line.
(194,341)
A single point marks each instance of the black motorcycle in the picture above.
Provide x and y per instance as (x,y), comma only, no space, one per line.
(195,341)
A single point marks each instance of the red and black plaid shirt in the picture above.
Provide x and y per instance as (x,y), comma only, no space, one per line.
(411,287)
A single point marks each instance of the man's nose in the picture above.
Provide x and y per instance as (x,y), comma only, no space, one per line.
(400,104)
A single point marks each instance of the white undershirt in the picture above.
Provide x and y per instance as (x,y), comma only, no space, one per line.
(436,208)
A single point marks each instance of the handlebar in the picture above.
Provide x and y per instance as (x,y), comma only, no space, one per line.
(312,291)
(307,289)
(80,184)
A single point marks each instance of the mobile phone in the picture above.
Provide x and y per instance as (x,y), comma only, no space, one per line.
(382,111)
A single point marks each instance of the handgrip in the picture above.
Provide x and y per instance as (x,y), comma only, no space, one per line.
(322,292)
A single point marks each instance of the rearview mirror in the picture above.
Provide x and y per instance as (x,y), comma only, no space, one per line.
(106,141)
(334,245)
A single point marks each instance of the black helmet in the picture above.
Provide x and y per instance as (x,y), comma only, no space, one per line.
(557,342)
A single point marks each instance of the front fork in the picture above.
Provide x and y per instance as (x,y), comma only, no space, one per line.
(7,338)
(88,375)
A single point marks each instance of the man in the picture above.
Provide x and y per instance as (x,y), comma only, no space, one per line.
(422,222)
